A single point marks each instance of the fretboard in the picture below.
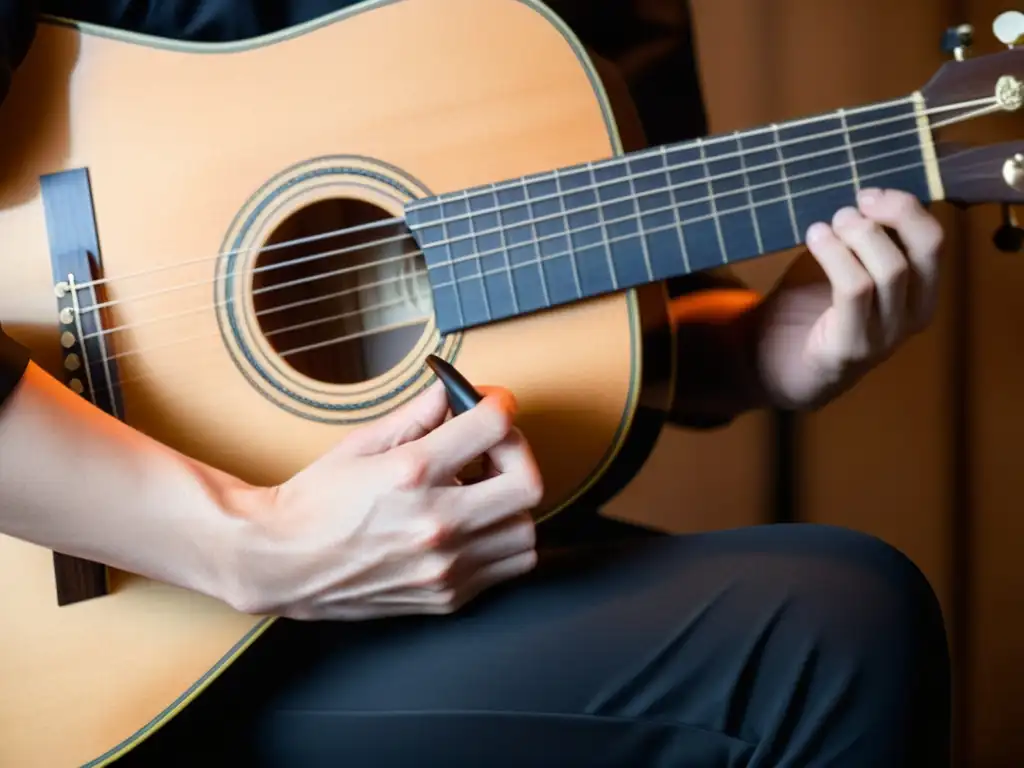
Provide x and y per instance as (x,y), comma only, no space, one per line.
(524,245)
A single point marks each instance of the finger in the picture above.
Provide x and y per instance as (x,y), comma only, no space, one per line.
(418,417)
(450,599)
(922,235)
(495,573)
(849,317)
(443,570)
(481,505)
(884,262)
(452,445)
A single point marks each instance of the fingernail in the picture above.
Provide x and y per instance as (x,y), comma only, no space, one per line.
(461,394)
(869,197)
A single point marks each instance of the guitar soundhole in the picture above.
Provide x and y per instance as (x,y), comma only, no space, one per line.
(341,306)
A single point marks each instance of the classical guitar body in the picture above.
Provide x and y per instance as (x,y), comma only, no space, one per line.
(247,251)
(135,162)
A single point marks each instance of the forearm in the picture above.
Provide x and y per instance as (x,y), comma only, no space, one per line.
(76,481)
(716,342)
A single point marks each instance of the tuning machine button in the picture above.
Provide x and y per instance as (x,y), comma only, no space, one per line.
(1009,28)
(957,41)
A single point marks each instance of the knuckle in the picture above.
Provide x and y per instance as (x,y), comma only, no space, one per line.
(934,236)
(532,486)
(903,202)
(441,577)
(529,533)
(412,469)
(857,289)
(528,561)
(846,218)
(500,419)
(436,531)
(895,273)
(447,601)
(859,350)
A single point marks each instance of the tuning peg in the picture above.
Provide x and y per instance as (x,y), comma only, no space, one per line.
(958,40)
(1009,238)
(1009,28)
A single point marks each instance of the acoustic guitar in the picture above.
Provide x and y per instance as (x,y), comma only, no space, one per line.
(247,250)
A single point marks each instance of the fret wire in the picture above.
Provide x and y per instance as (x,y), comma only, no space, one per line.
(750,169)
(508,260)
(479,263)
(750,195)
(640,223)
(849,151)
(536,243)
(419,320)
(785,183)
(415,206)
(711,201)
(675,213)
(568,236)
(451,264)
(914,131)
(696,219)
(604,230)
(788,198)
(647,153)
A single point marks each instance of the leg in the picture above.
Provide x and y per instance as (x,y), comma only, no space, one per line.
(772,646)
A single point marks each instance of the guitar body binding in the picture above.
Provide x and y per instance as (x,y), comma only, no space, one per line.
(187,151)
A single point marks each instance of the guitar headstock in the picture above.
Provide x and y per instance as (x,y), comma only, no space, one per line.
(971,87)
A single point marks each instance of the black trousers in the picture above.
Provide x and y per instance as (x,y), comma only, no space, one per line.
(769,646)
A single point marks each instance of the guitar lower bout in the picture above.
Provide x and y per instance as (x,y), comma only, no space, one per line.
(211,299)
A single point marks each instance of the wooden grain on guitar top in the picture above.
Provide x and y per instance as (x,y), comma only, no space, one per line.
(178,140)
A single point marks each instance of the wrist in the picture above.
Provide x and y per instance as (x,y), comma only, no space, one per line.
(231,535)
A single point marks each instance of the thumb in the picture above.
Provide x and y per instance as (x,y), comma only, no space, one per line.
(422,415)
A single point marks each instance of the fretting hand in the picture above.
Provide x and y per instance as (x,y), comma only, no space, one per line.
(380,526)
(850,302)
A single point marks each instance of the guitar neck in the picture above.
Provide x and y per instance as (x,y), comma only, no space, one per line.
(515,247)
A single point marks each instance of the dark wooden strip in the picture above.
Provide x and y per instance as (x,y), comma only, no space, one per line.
(74,250)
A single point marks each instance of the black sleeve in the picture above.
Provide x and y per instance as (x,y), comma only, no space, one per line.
(17,29)
(13,362)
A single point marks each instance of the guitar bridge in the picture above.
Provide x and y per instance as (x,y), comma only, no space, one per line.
(88,369)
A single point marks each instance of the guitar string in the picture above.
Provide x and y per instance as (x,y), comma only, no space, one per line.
(335,340)
(496,186)
(405,256)
(704,180)
(536,241)
(737,136)
(481,254)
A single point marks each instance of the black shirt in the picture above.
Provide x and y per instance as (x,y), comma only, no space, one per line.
(648,41)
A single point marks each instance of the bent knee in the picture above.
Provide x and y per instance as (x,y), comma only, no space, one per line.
(863,594)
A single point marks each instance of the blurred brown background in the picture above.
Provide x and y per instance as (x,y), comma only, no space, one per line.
(925,452)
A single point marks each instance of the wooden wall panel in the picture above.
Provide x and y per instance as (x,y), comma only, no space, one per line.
(882,458)
(996,410)
(875,459)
